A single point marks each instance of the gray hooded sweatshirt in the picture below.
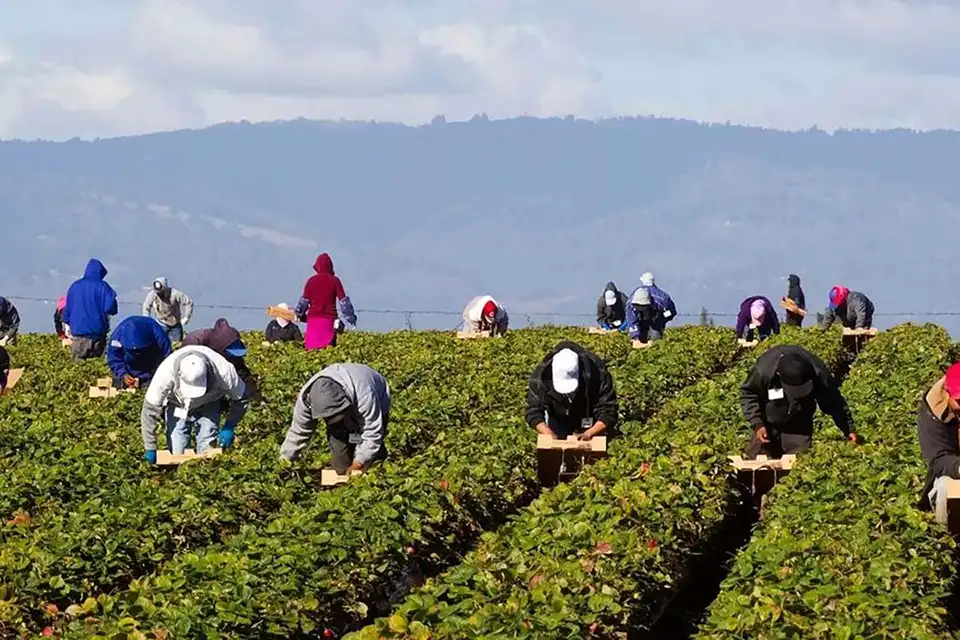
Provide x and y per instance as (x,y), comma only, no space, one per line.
(367,392)
(172,308)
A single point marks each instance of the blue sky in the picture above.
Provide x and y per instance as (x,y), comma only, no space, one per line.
(115,67)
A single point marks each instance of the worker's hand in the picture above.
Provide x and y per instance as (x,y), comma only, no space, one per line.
(3,341)
(762,436)
(545,430)
(593,431)
(853,438)
(129,381)
(150,455)
(226,436)
(355,466)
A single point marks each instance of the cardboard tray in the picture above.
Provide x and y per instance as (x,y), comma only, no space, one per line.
(860,332)
(744,343)
(12,379)
(473,335)
(167,459)
(286,314)
(763,463)
(597,444)
(329,477)
(792,307)
(642,345)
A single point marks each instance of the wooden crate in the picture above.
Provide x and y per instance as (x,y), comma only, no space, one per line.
(13,377)
(167,459)
(329,477)
(554,454)
(856,339)
(744,343)
(642,345)
(597,444)
(762,474)
(286,314)
(473,335)
(792,307)
(598,330)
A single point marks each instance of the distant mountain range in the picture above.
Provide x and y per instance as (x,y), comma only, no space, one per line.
(539,213)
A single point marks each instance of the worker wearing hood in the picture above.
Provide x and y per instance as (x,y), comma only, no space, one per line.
(483,313)
(227,342)
(663,304)
(323,300)
(757,319)
(9,322)
(61,327)
(795,293)
(612,309)
(852,308)
(171,307)
(137,347)
(90,303)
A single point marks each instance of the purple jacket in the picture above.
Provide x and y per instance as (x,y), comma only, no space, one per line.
(771,323)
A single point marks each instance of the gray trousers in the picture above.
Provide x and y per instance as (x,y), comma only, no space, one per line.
(86,348)
(342,451)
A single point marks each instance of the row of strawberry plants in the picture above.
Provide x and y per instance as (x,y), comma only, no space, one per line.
(139,519)
(602,555)
(842,551)
(327,564)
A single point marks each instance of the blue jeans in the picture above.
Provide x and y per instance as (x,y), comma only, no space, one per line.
(180,431)
(175,333)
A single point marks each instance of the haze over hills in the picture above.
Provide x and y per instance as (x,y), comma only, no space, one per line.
(539,213)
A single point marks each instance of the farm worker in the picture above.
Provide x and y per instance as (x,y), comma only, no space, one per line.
(137,347)
(938,419)
(666,309)
(61,327)
(322,302)
(612,308)
(90,303)
(4,369)
(757,319)
(854,309)
(571,392)
(226,341)
(186,391)
(172,308)
(354,402)
(282,330)
(642,315)
(9,322)
(483,313)
(781,395)
(795,293)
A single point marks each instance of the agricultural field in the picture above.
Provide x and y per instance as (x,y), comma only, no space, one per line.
(453,537)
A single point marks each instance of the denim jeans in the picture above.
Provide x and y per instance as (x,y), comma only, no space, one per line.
(204,420)
(175,333)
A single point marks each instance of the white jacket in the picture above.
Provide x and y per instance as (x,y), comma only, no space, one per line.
(222,382)
(473,320)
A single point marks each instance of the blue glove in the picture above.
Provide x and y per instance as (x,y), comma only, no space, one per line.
(226,436)
(150,456)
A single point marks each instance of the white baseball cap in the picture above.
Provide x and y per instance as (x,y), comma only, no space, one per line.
(565,369)
(193,376)
(610,297)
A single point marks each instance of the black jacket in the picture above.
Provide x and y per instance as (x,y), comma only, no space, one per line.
(606,314)
(290,333)
(4,367)
(9,318)
(795,292)
(939,441)
(595,397)
(788,415)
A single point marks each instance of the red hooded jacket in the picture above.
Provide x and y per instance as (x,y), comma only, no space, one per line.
(324,289)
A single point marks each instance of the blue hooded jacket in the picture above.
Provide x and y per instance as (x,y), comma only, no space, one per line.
(90,302)
(137,347)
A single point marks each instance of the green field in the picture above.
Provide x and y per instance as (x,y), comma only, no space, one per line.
(453,537)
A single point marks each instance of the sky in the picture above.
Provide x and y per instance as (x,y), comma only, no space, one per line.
(103,68)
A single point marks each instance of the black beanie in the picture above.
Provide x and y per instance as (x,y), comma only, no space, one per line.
(796,374)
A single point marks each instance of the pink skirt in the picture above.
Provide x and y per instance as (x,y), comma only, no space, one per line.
(320,333)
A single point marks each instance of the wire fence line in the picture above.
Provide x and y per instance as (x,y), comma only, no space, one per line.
(531,318)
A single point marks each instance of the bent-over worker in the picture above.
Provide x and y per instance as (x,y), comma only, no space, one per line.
(483,313)
(354,402)
(227,342)
(9,322)
(171,307)
(642,315)
(187,390)
(282,330)
(938,420)
(757,319)
(612,309)
(854,309)
(795,293)
(322,303)
(662,302)
(137,347)
(90,303)
(61,327)
(780,397)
